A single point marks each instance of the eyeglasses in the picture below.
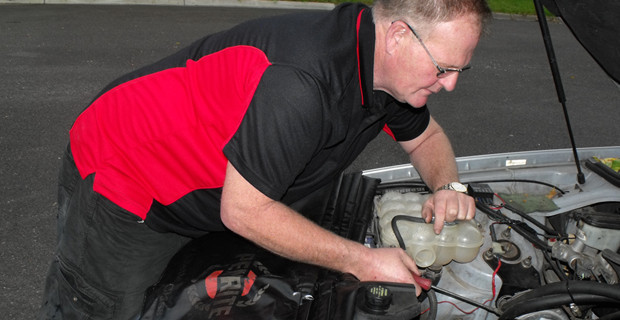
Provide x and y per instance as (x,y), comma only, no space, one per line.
(443,72)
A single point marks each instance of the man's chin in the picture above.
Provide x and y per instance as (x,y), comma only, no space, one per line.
(418,102)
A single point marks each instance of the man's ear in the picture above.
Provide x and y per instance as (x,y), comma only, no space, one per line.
(395,36)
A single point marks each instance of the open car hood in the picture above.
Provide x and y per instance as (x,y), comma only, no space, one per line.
(596,25)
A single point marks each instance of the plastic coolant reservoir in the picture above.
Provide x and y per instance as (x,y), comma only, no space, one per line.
(459,241)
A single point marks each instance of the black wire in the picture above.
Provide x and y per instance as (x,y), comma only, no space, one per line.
(418,183)
(532,220)
(570,294)
(522,180)
(518,226)
(402,184)
(493,233)
(494,215)
(466,300)
(554,265)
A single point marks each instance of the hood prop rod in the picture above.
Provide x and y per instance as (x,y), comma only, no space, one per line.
(544,28)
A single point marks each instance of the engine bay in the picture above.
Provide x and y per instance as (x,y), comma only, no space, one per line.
(540,247)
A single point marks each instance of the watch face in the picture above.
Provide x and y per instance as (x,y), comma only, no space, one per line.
(458,187)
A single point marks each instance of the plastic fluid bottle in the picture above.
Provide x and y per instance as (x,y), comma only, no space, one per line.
(459,240)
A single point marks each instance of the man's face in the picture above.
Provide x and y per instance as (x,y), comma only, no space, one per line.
(413,75)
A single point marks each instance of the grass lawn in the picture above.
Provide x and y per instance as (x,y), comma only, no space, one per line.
(513,6)
(525,7)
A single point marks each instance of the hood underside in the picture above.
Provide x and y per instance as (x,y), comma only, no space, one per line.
(596,26)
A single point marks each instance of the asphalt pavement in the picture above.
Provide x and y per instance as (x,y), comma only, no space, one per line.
(55,58)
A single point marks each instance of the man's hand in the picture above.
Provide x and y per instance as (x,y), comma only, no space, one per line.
(389,265)
(448,206)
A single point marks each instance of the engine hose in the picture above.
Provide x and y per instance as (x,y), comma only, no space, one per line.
(611,316)
(552,302)
(572,286)
(567,289)
(399,237)
(432,305)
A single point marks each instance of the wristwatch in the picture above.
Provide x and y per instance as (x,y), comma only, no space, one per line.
(455,186)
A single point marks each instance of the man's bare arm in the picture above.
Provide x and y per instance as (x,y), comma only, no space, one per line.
(432,155)
(277,228)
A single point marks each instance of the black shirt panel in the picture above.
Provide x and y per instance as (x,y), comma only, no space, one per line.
(281,133)
(194,215)
(405,121)
(312,114)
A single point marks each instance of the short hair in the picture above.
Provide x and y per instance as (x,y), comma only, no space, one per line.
(427,13)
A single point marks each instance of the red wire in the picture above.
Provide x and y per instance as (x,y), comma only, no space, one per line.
(501,205)
(500,198)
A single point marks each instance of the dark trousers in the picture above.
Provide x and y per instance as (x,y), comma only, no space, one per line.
(106,257)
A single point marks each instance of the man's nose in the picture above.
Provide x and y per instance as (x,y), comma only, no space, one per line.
(449,82)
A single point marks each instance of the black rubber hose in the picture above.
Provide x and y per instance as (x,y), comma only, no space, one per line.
(432,302)
(611,316)
(564,288)
(554,301)
(399,237)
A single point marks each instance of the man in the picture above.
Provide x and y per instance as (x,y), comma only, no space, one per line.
(232,131)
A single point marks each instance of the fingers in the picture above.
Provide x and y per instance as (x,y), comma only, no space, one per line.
(448,206)
(410,264)
(418,289)
(441,216)
(427,211)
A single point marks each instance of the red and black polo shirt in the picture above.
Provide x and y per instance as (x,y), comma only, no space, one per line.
(287,100)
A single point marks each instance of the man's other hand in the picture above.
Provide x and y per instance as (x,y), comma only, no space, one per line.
(448,206)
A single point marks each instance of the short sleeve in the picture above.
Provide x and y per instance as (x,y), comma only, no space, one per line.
(406,122)
(285,124)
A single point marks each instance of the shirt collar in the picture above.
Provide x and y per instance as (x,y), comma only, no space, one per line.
(366,55)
